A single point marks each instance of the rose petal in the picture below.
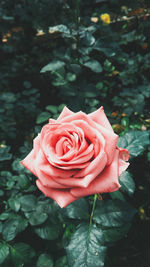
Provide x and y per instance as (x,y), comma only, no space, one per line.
(65,112)
(62,197)
(100,117)
(107,181)
(111,140)
(109,136)
(43,164)
(123,166)
(84,156)
(51,136)
(48,181)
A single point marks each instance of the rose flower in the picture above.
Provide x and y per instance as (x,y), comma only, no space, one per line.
(75,156)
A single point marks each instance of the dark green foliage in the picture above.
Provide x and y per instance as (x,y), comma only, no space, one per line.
(127,183)
(45,260)
(86,247)
(135,141)
(4,252)
(113,213)
(77,210)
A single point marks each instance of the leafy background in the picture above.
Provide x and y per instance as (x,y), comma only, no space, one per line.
(53,54)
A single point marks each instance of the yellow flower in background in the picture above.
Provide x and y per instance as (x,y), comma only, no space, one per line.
(105,18)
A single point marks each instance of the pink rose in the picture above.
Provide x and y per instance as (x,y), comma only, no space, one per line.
(75,156)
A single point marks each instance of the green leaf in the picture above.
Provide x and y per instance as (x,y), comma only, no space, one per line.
(125,121)
(14,204)
(77,209)
(60,107)
(94,65)
(18,167)
(71,77)
(117,195)
(86,247)
(23,181)
(4,216)
(134,141)
(44,260)
(75,68)
(113,213)
(28,203)
(47,231)
(42,117)
(127,183)
(37,218)
(12,227)
(62,262)
(99,85)
(4,153)
(115,234)
(88,39)
(21,253)
(52,109)
(4,252)
(53,66)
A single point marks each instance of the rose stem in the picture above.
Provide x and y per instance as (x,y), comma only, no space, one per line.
(93,208)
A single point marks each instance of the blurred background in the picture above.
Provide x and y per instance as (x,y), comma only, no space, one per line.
(83,54)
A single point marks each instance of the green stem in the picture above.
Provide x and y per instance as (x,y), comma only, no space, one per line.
(93,208)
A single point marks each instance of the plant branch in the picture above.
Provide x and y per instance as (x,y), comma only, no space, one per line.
(93,208)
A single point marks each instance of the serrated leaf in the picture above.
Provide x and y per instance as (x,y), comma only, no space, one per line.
(117,195)
(94,65)
(21,253)
(23,181)
(127,183)
(14,204)
(4,252)
(44,260)
(53,66)
(113,213)
(12,227)
(134,141)
(42,117)
(37,218)
(115,234)
(47,231)
(28,203)
(86,247)
(77,209)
